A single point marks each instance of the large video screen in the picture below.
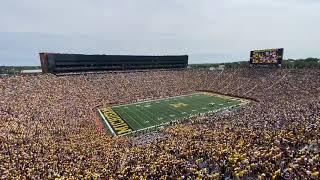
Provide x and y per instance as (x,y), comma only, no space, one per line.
(266,56)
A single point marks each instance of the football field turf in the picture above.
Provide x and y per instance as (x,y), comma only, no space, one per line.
(139,116)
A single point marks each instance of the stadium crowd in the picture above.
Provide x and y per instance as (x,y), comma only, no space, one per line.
(48,128)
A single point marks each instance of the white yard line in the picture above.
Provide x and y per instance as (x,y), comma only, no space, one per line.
(130,118)
(146,101)
(145,115)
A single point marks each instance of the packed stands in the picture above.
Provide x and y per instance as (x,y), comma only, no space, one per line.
(48,128)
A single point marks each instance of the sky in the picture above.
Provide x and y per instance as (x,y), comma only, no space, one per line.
(209,31)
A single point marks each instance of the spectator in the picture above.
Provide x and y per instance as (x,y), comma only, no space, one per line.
(48,128)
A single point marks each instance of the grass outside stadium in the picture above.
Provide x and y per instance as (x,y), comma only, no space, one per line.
(146,115)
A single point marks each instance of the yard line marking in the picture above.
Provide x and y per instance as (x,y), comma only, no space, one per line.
(128,122)
(144,114)
(159,113)
(160,99)
(160,110)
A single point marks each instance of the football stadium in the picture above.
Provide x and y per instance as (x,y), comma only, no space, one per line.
(159,90)
(113,121)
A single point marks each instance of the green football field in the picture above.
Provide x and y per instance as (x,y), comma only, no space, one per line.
(129,118)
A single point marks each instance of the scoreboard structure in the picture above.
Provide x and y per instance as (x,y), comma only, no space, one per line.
(267,57)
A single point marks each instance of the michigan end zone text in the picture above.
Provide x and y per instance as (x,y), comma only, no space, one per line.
(114,121)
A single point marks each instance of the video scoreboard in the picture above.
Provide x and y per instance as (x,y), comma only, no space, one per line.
(266,57)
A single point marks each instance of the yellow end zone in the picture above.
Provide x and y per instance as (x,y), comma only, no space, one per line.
(114,121)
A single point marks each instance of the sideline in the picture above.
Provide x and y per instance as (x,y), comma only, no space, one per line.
(230,95)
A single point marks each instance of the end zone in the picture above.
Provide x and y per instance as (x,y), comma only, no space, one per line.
(115,123)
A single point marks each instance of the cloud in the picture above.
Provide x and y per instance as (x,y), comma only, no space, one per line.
(205,29)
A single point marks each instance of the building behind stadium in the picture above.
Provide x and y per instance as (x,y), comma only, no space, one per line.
(56,63)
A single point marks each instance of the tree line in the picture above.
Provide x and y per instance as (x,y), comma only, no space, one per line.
(12,70)
(289,63)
